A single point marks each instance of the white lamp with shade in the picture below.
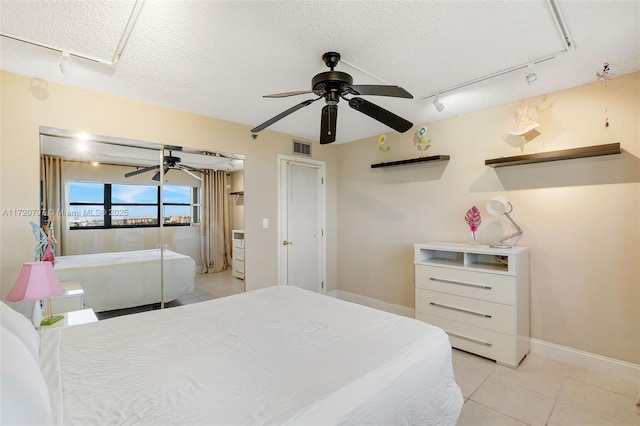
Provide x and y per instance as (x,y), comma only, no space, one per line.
(498,206)
(36,282)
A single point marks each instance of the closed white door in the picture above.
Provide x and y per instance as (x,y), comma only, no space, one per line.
(302,224)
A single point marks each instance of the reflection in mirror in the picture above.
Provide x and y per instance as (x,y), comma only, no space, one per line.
(119,209)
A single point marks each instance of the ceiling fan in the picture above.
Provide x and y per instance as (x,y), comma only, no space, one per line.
(333,85)
(170,162)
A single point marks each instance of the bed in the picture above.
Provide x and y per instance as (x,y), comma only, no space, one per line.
(279,355)
(127,279)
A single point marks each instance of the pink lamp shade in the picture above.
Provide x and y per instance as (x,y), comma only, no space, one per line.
(35,282)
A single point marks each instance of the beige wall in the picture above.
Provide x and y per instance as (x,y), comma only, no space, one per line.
(65,107)
(581,218)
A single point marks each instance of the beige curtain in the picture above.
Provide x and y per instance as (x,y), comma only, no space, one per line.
(53,198)
(215,241)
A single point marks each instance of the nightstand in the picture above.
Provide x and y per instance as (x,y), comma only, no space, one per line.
(71,300)
(83,316)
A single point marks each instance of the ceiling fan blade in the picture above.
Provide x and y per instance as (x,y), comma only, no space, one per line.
(142,170)
(187,171)
(156,177)
(328,124)
(377,90)
(382,115)
(285,94)
(282,115)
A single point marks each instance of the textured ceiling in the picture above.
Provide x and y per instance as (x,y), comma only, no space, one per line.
(109,150)
(218,58)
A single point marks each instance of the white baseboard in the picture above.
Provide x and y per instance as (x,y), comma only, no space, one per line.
(371,302)
(603,364)
(614,367)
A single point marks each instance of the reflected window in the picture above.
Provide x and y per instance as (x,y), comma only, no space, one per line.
(86,205)
(176,205)
(105,205)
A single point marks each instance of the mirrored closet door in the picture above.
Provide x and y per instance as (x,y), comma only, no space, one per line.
(138,225)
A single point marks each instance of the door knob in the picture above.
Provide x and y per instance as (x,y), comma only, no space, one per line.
(287,243)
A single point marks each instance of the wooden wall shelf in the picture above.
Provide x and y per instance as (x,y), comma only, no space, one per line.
(432,158)
(565,154)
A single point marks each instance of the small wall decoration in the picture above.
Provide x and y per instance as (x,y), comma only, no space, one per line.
(605,75)
(523,126)
(381,140)
(45,243)
(524,122)
(422,144)
(474,220)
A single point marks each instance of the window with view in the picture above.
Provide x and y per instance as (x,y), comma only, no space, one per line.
(104,205)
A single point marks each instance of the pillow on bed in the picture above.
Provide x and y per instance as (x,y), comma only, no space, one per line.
(21,327)
(23,392)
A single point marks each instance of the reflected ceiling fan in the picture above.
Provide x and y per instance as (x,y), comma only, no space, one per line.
(170,162)
(333,85)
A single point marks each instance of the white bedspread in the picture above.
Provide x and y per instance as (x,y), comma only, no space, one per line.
(279,355)
(129,278)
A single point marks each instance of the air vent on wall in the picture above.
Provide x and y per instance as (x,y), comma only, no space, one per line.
(301,148)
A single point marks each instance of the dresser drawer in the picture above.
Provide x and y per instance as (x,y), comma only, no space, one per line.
(238,253)
(238,265)
(490,344)
(478,285)
(479,313)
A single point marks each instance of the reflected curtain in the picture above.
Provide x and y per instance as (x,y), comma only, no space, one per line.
(53,201)
(215,241)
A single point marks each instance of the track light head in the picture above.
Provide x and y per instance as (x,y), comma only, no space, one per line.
(65,62)
(439,106)
(530,74)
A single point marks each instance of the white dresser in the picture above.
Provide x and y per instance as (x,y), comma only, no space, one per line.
(238,253)
(479,295)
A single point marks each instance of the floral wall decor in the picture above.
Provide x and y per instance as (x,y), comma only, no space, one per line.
(422,143)
(381,146)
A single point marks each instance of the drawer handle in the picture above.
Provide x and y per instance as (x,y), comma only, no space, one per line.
(460,310)
(484,287)
(470,339)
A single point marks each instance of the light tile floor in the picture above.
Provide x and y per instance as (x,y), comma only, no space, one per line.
(541,392)
(215,285)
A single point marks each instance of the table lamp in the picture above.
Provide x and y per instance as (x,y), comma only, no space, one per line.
(498,206)
(36,282)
